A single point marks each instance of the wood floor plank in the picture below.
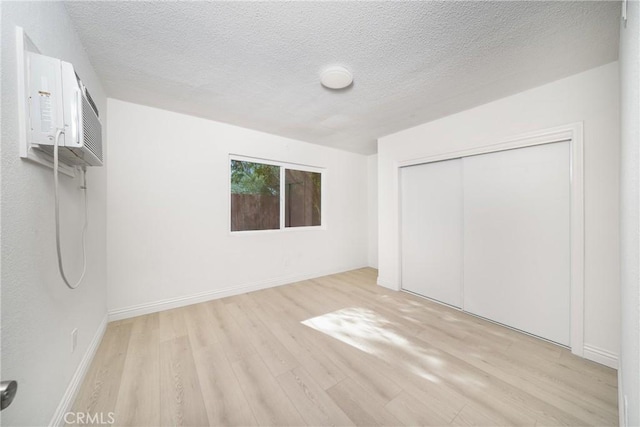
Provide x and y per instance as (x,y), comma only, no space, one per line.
(145,323)
(364,408)
(412,411)
(269,403)
(533,373)
(285,326)
(550,412)
(181,402)
(315,406)
(139,394)
(278,300)
(228,333)
(172,324)
(367,370)
(273,353)
(338,350)
(200,326)
(604,375)
(101,386)
(224,399)
(475,415)
(293,298)
(311,356)
(534,382)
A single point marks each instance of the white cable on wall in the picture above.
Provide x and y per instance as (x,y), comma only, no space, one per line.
(57,215)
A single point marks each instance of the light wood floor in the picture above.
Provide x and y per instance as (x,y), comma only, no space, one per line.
(337,350)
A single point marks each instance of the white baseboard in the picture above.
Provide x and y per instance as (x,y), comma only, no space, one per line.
(601,356)
(388,283)
(167,304)
(74,385)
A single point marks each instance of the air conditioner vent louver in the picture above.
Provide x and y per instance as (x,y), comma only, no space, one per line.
(91,130)
(93,104)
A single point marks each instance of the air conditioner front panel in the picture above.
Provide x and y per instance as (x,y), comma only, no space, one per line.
(45,98)
(58,101)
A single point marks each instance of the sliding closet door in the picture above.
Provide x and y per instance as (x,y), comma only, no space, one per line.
(432,230)
(517,239)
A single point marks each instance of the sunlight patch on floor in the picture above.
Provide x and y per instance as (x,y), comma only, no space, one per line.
(370,332)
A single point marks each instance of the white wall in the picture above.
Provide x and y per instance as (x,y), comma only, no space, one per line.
(372,209)
(629,373)
(168,212)
(591,97)
(38,310)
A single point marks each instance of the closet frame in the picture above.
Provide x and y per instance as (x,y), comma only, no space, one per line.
(573,133)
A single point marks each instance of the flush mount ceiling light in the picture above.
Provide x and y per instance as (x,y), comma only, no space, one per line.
(336,77)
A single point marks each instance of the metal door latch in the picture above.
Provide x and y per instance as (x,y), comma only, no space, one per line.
(8,390)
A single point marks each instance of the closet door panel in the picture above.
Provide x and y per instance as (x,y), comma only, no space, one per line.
(517,239)
(431,216)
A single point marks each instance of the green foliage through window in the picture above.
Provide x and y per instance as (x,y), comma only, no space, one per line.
(254,178)
(255,197)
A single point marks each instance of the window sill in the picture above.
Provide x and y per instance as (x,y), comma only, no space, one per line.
(278,230)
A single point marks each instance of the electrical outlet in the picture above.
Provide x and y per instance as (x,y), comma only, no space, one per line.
(74,339)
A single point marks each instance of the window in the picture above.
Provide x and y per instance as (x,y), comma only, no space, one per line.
(255,196)
(266,196)
(302,201)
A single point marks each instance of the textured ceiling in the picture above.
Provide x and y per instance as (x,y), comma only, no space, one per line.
(257,64)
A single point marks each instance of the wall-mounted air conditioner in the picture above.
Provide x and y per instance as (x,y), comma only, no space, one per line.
(59,106)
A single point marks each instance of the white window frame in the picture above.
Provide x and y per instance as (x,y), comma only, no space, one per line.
(283,166)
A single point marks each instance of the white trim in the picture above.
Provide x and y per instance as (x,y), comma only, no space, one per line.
(577,240)
(181,301)
(287,165)
(283,199)
(623,404)
(398,184)
(547,136)
(601,356)
(388,283)
(283,167)
(572,132)
(397,282)
(76,381)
